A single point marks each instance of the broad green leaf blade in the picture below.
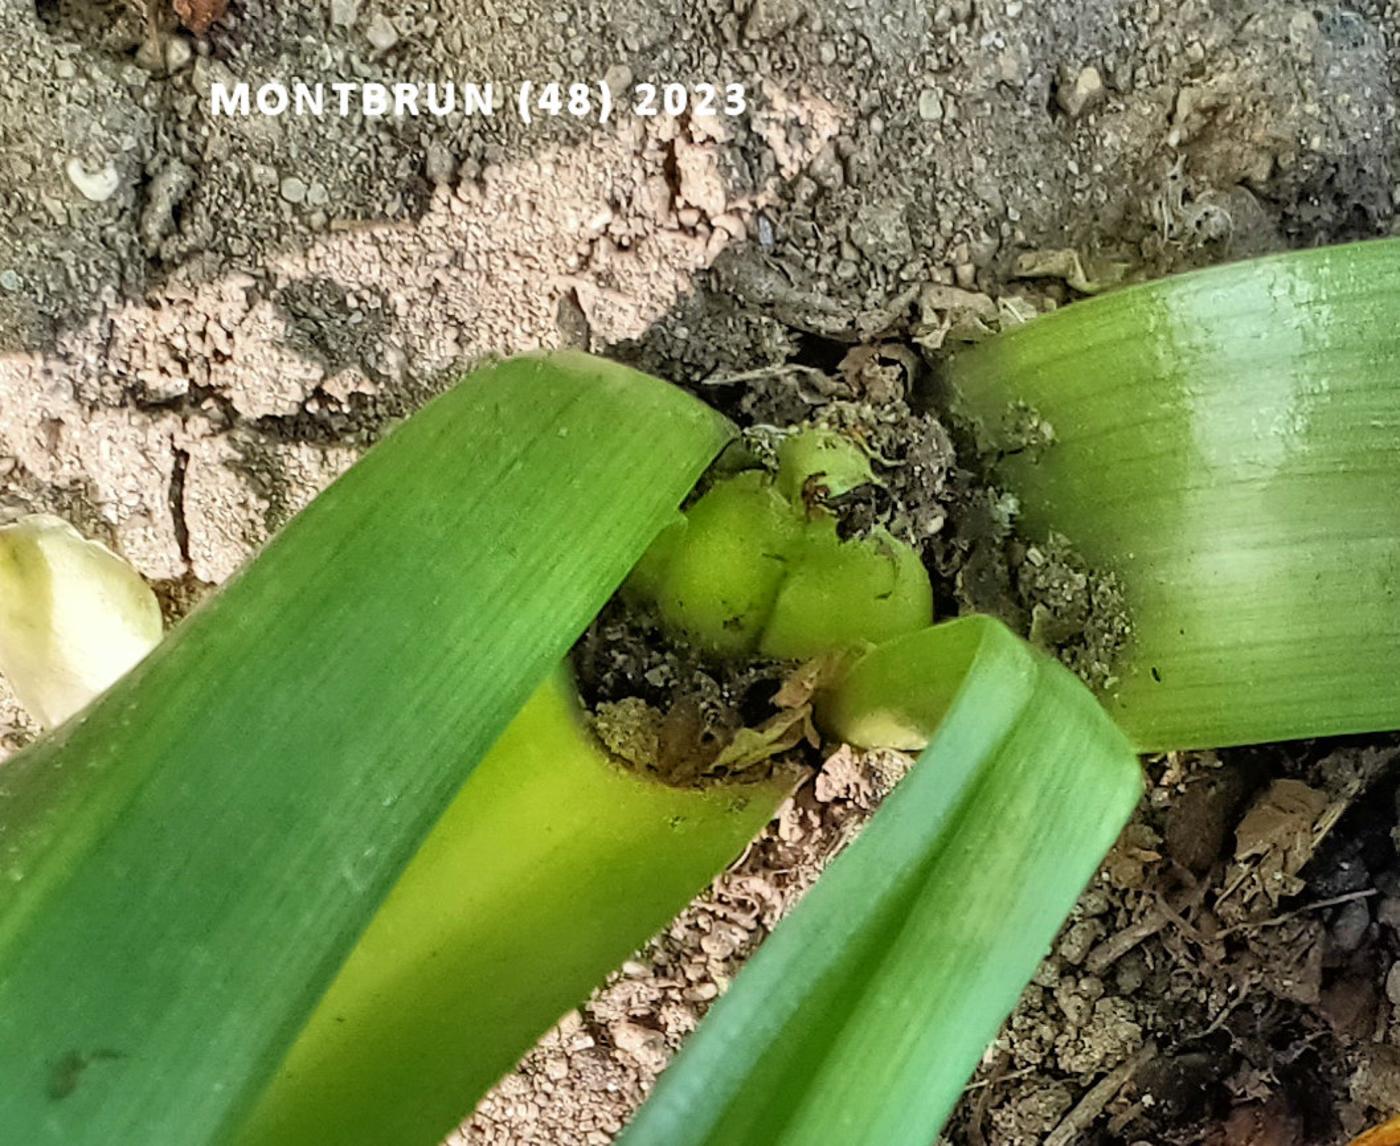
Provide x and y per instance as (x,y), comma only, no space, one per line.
(187,863)
(548,869)
(862,1016)
(1228,442)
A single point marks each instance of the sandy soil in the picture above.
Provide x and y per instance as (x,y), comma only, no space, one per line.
(203,320)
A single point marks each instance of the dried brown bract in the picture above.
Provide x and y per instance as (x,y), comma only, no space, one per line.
(198,15)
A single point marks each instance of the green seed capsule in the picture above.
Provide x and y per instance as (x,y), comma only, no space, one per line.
(756,564)
(822,456)
(725,569)
(844,594)
(649,575)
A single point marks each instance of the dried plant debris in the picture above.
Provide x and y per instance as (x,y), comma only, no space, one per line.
(1085,275)
(1277,837)
(951,314)
(1075,611)
(198,15)
(687,745)
(661,706)
(1218,982)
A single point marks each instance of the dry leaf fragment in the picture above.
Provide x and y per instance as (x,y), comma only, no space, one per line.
(810,677)
(1065,263)
(198,15)
(1280,831)
(947,313)
(1271,1123)
(779,733)
(881,372)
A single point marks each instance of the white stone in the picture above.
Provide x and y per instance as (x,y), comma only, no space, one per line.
(381,33)
(97,186)
(1080,94)
(178,53)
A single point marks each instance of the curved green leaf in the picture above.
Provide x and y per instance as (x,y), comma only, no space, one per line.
(186,864)
(861,1017)
(548,869)
(1228,443)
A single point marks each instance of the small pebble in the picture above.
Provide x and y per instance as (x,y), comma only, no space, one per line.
(645,1045)
(178,53)
(1392,984)
(769,18)
(344,12)
(1080,94)
(702,993)
(164,192)
(1388,913)
(381,33)
(10,281)
(618,79)
(166,388)
(440,164)
(1078,940)
(930,106)
(1349,928)
(293,190)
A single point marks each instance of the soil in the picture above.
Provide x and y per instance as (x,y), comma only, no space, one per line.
(203,320)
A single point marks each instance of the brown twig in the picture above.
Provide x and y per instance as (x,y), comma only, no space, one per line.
(978,1114)
(1225,1012)
(1094,1102)
(1117,945)
(1275,920)
(983,1083)
(1107,953)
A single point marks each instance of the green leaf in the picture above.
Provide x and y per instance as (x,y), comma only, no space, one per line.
(1225,442)
(549,867)
(861,1017)
(184,866)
